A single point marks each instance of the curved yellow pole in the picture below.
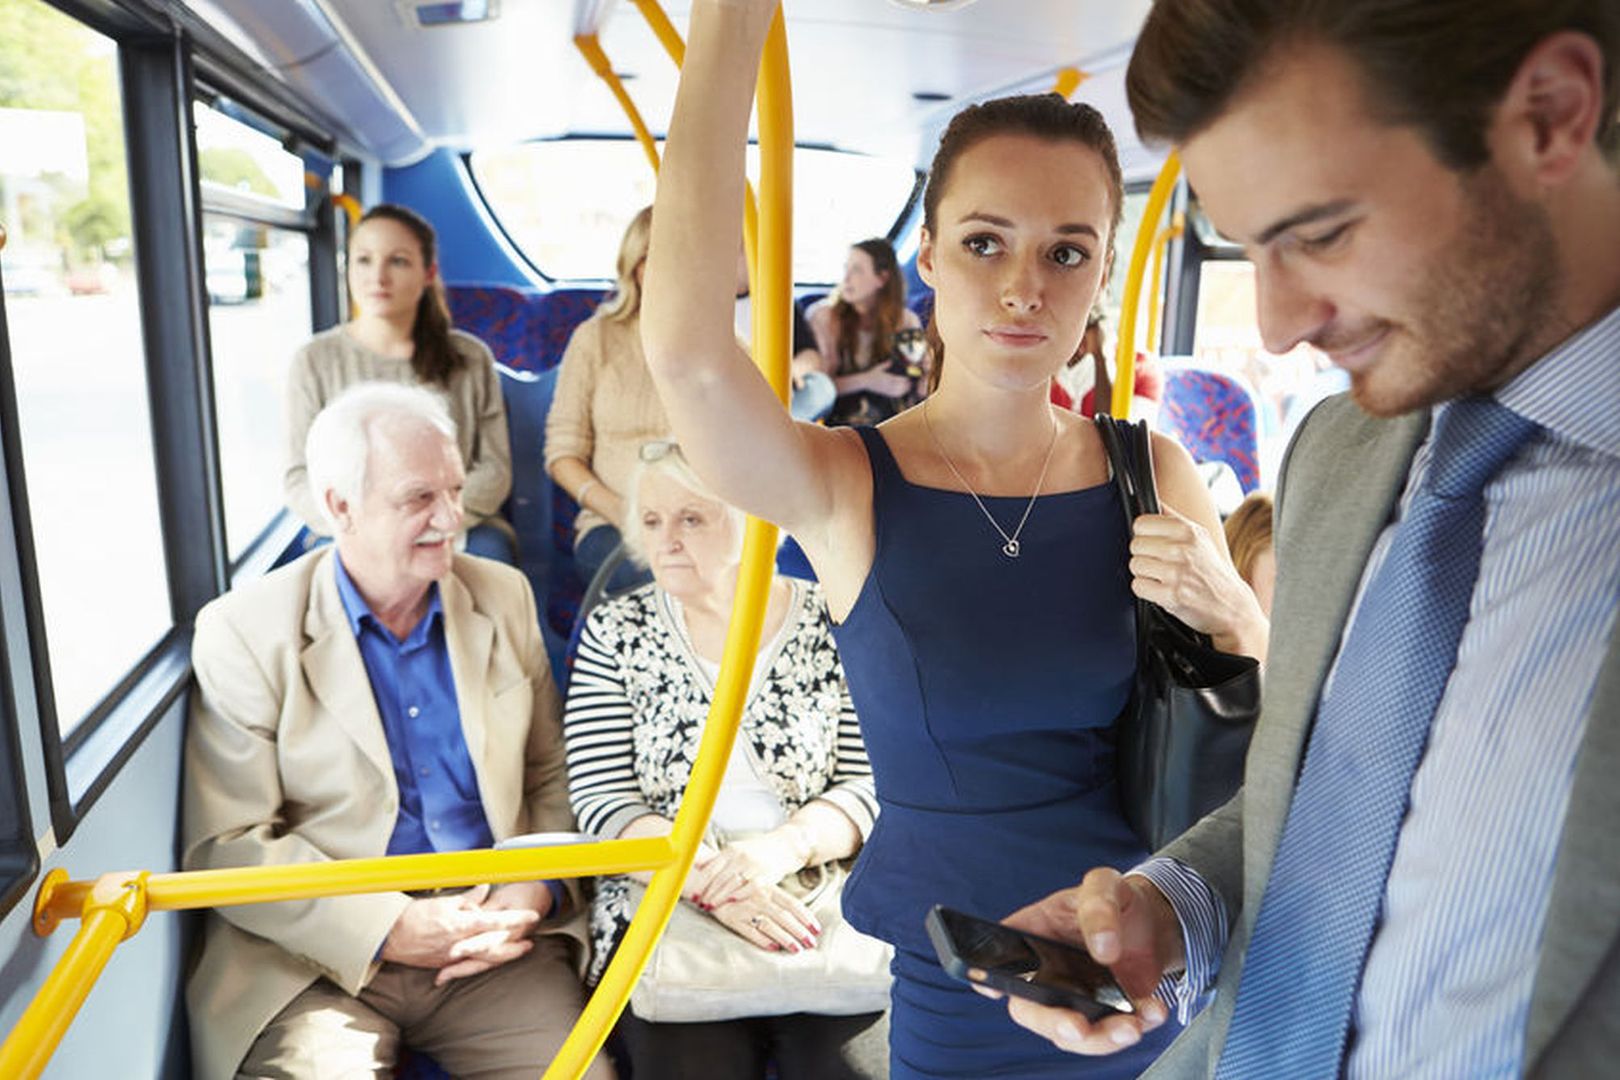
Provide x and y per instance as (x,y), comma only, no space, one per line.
(590,48)
(1161,244)
(114,906)
(1125,354)
(350,206)
(663,30)
(771,345)
(1068,80)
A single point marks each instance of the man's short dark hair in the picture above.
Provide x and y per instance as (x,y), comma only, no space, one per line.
(1440,66)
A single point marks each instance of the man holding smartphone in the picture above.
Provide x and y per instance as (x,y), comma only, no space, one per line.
(1420,876)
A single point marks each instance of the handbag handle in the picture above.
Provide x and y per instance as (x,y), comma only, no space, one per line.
(1130,453)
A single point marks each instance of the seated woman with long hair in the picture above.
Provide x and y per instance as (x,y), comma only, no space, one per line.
(857,330)
(401,333)
(605,408)
(797,792)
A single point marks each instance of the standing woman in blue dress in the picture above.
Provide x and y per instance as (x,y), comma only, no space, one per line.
(971,549)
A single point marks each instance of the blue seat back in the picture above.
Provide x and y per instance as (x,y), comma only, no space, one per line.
(1215,416)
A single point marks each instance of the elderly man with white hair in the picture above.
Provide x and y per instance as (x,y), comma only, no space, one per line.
(383,696)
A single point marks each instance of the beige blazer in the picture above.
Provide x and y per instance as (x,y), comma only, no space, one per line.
(1341,484)
(286,762)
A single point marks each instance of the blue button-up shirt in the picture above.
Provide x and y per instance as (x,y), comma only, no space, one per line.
(439,804)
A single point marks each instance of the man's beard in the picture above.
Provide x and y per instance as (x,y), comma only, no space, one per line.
(1482,313)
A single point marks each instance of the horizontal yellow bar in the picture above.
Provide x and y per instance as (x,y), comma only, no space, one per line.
(301,881)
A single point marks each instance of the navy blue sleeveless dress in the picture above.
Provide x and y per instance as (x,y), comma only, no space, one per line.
(987,689)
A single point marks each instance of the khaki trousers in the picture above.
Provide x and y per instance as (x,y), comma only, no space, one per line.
(505,1024)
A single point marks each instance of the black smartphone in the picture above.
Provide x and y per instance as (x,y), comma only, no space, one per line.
(1014,962)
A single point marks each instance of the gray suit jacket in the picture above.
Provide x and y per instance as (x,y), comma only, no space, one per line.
(287,762)
(1341,483)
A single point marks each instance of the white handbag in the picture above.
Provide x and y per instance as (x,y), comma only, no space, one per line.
(702,971)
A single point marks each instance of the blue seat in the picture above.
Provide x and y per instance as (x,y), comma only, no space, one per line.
(1215,416)
(529,508)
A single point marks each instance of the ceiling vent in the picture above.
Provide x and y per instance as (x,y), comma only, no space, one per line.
(428,14)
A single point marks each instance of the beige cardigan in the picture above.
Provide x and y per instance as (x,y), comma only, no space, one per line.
(332,361)
(605,406)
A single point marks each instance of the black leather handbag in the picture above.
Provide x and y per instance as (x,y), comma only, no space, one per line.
(1185,732)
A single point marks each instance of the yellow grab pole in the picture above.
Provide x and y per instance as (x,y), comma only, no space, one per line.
(113,910)
(1161,244)
(663,30)
(47,1018)
(771,345)
(590,48)
(350,206)
(1125,355)
(59,899)
(1068,81)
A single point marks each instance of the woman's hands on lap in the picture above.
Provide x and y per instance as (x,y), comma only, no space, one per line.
(769,917)
(741,864)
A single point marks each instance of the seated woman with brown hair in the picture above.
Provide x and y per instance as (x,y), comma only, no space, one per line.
(797,797)
(856,331)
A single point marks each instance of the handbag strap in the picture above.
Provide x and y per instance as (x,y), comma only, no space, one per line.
(1131,458)
(1130,453)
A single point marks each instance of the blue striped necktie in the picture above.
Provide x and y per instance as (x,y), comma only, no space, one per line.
(1310,942)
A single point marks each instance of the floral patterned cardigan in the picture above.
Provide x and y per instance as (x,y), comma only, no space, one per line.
(637,700)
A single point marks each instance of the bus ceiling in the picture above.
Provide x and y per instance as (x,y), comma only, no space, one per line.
(870,76)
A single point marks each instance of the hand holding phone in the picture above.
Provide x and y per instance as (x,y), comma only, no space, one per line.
(1016,962)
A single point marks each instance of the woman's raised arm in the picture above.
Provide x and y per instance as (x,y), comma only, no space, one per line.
(730,427)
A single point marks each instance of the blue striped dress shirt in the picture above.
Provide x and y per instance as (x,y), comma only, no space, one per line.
(1446,989)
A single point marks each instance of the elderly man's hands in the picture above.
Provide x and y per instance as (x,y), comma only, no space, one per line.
(470,932)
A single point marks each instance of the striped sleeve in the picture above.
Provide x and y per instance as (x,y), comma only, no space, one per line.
(852,790)
(1203,932)
(597,723)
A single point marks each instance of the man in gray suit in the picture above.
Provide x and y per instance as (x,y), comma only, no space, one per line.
(1421,876)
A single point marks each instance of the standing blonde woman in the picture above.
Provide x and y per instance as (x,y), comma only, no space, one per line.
(971,550)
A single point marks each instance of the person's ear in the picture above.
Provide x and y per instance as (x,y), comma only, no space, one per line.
(340,510)
(925,257)
(432,272)
(1547,120)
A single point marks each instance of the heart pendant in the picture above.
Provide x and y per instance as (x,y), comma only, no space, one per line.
(1010,549)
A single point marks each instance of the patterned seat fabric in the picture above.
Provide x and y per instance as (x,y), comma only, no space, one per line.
(1214,415)
(528,332)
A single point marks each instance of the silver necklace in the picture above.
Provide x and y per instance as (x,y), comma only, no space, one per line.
(1010,547)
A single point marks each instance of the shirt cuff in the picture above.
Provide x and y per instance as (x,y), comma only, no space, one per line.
(559,897)
(1203,921)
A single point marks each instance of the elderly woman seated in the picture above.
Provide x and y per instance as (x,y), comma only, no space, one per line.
(797,797)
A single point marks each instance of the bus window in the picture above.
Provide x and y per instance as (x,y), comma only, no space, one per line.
(257,276)
(565,202)
(1227,337)
(258,314)
(74,320)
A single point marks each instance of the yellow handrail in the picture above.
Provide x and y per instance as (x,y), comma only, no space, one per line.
(1125,355)
(115,905)
(771,267)
(1161,243)
(1068,80)
(350,206)
(590,48)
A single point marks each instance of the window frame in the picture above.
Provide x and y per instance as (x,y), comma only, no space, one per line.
(896,229)
(159,55)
